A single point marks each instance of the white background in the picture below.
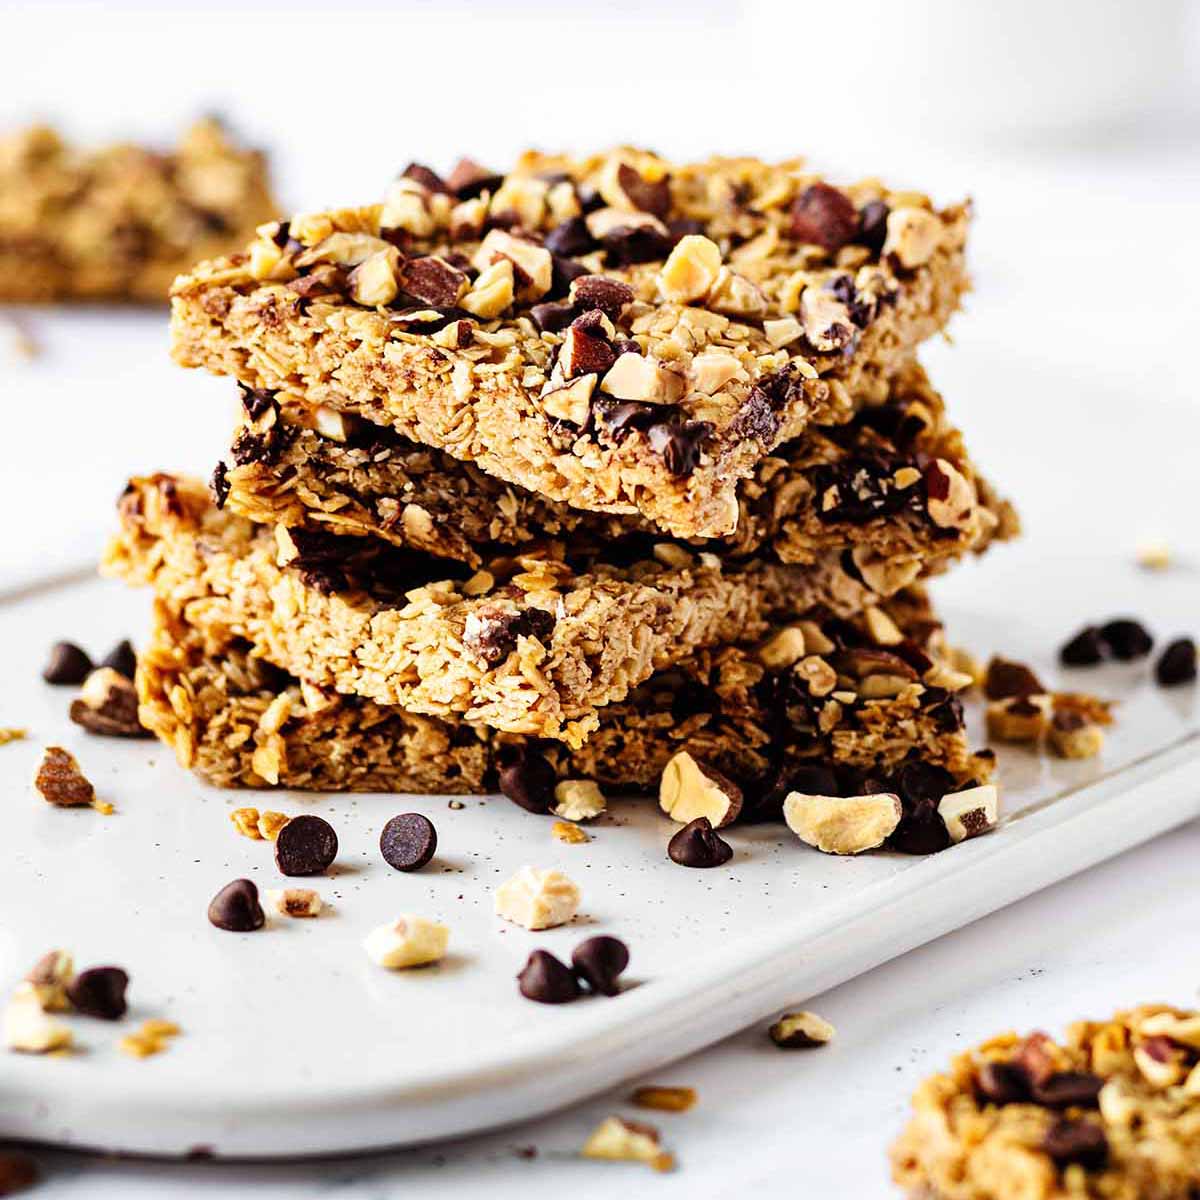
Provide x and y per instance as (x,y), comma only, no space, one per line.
(1072,126)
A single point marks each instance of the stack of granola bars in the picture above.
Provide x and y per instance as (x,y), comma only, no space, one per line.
(551,475)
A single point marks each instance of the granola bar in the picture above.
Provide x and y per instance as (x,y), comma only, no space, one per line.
(120,223)
(616,333)
(239,722)
(880,484)
(532,643)
(1112,1112)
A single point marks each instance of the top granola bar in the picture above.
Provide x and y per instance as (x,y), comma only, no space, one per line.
(121,222)
(616,333)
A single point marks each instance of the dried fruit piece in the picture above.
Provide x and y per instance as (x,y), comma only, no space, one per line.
(842,824)
(619,1140)
(801,1031)
(599,961)
(408,941)
(690,789)
(537,899)
(971,812)
(61,781)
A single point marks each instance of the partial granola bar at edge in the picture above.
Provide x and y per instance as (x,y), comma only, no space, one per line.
(616,333)
(894,482)
(240,722)
(534,643)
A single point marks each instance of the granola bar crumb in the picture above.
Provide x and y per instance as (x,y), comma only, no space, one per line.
(564,831)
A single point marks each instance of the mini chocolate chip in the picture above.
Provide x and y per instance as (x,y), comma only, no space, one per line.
(678,443)
(1081,1142)
(1067,1089)
(681,227)
(68,663)
(1126,638)
(570,239)
(1006,679)
(1003,1083)
(528,781)
(823,216)
(236,908)
(122,658)
(1177,664)
(306,845)
(408,842)
(544,979)
(218,484)
(1084,649)
(872,225)
(99,992)
(599,962)
(698,844)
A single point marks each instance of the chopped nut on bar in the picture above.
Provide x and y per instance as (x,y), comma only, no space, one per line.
(408,941)
(801,1031)
(537,898)
(578,800)
(61,781)
(690,270)
(690,789)
(628,1141)
(971,812)
(842,824)
(639,377)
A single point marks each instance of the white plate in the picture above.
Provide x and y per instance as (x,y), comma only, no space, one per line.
(295,1043)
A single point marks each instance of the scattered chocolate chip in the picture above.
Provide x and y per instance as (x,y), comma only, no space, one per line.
(598,291)
(1006,679)
(432,280)
(645,196)
(1081,1142)
(467,179)
(1177,664)
(1084,650)
(122,658)
(426,177)
(872,226)
(236,908)
(678,443)
(698,844)
(627,245)
(544,979)
(823,216)
(1003,1083)
(599,962)
(306,845)
(408,842)
(570,239)
(18,1172)
(528,781)
(218,484)
(68,663)
(99,992)
(1067,1089)
(1126,638)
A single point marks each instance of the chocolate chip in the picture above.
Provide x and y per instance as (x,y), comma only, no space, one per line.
(1126,638)
(544,979)
(256,401)
(598,291)
(1177,664)
(1006,679)
(431,280)
(408,842)
(426,177)
(68,663)
(921,830)
(872,225)
(122,658)
(528,781)
(467,179)
(493,634)
(553,316)
(697,844)
(570,239)
(599,962)
(756,418)
(859,490)
(99,992)
(306,845)
(1084,649)
(1003,1083)
(218,484)
(563,272)
(823,216)
(17,1172)
(236,908)
(1081,1142)
(678,443)
(1067,1089)
(643,195)
(622,417)
(627,245)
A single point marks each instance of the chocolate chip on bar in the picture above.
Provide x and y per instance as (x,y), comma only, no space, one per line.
(824,216)
(122,658)
(67,664)
(1126,639)
(1085,649)
(1076,1142)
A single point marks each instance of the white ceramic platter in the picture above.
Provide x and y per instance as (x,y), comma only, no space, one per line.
(294,1042)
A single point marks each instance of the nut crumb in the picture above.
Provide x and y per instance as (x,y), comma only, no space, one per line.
(664,1099)
(842,824)
(153,1037)
(245,821)
(689,789)
(295,902)
(619,1140)
(564,831)
(537,899)
(408,941)
(270,823)
(578,800)
(801,1031)
(1154,554)
(9,734)
(49,977)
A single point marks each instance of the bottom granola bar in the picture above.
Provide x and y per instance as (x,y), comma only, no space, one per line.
(854,708)
(1112,1112)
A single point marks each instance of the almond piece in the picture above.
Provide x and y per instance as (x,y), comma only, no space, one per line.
(842,824)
